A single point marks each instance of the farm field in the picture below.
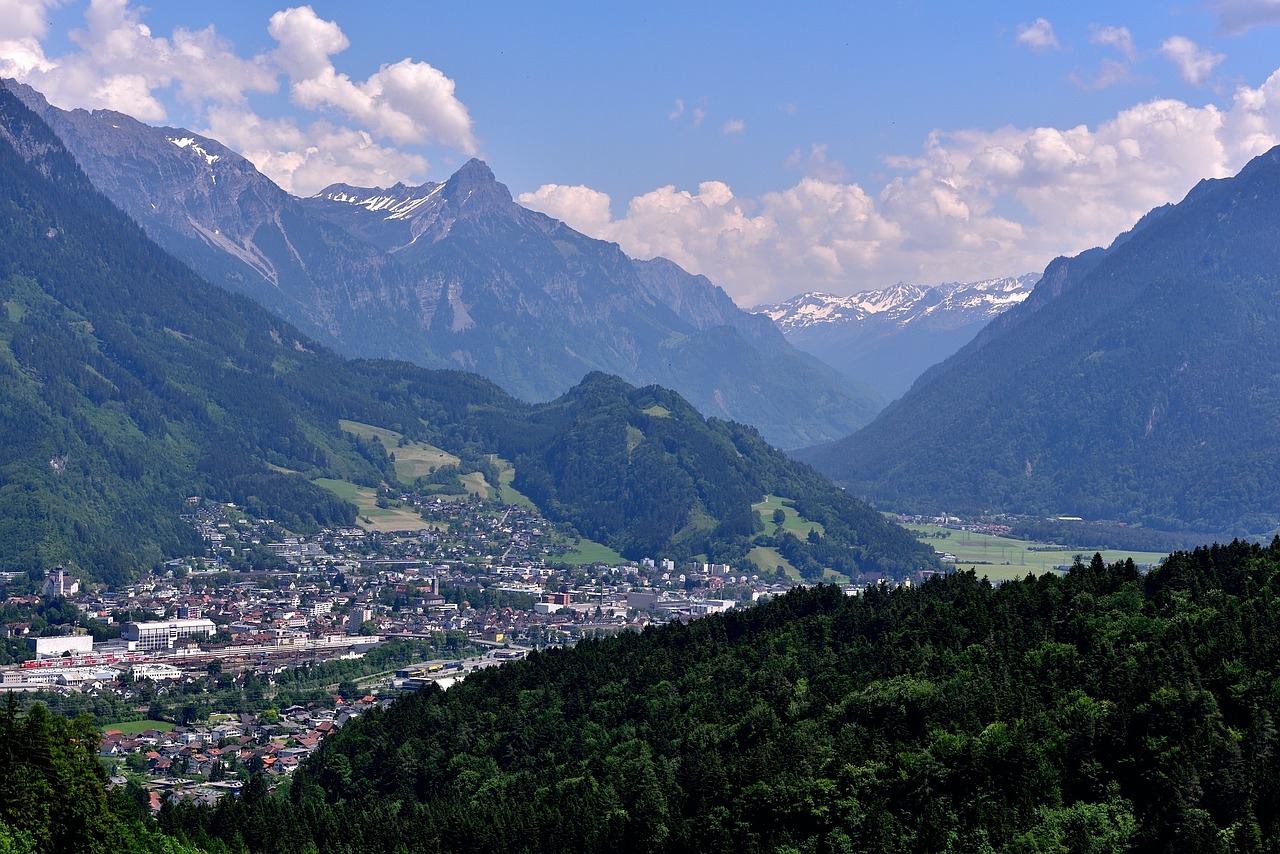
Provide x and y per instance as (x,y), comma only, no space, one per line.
(768,559)
(793,523)
(413,459)
(589,551)
(135,727)
(1003,558)
(370,516)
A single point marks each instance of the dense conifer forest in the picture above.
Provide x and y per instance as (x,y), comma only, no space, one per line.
(53,795)
(1101,711)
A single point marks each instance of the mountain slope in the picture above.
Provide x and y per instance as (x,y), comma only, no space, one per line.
(210,207)
(887,338)
(127,383)
(1137,383)
(455,275)
(642,470)
(525,300)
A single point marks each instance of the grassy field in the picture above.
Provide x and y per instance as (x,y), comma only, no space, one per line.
(371,517)
(413,459)
(767,560)
(589,551)
(507,493)
(135,727)
(793,523)
(416,459)
(1002,558)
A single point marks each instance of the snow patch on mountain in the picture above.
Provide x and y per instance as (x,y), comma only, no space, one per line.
(398,202)
(190,142)
(950,303)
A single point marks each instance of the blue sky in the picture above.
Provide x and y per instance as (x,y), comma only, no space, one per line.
(836,147)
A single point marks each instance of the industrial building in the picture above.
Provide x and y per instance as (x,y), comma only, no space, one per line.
(165,635)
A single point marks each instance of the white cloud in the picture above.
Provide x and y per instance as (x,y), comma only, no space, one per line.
(677,111)
(733,126)
(22,25)
(1117,37)
(1194,63)
(582,207)
(118,63)
(1111,72)
(1038,35)
(973,203)
(304,161)
(406,102)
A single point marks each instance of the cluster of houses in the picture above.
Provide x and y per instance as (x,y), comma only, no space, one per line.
(208,761)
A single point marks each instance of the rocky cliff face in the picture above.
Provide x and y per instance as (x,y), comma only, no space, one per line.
(210,207)
(525,300)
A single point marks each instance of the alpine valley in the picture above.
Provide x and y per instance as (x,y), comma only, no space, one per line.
(1136,383)
(129,382)
(457,275)
(179,336)
(887,338)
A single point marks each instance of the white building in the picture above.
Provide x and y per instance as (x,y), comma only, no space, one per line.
(154,670)
(165,635)
(59,582)
(55,646)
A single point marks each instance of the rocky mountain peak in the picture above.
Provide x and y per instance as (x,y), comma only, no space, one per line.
(474,187)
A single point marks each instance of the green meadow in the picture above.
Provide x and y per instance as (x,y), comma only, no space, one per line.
(1004,558)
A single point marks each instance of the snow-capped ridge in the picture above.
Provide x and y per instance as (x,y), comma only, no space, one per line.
(904,303)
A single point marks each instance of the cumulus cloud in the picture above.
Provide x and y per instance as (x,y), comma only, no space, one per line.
(304,161)
(582,207)
(356,127)
(677,111)
(733,126)
(406,102)
(120,64)
(1239,16)
(1111,71)
(1038,35)
(972,203)
(1194,63)
(22,26)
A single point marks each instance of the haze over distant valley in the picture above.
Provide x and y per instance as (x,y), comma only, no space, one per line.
(887,338)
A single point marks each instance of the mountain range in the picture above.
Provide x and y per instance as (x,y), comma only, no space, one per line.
(1137,383)
(886,338)
(457,275)
(128,383)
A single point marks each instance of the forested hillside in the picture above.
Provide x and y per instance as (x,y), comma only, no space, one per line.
(127,383)
(53,795)
(1136,383)
(1099,711)
(641,470)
